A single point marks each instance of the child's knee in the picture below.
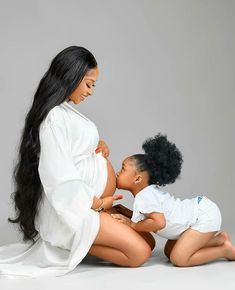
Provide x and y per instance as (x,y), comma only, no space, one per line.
(178,260)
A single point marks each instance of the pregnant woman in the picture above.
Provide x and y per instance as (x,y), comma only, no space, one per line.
(65,183)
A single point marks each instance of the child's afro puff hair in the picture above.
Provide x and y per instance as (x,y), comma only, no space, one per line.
(163,160)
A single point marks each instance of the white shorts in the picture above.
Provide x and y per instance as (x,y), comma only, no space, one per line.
(207,216)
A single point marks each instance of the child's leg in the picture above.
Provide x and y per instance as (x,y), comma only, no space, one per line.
(190,250)
(216,240)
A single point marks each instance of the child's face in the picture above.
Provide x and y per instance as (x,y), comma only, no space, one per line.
(126,175)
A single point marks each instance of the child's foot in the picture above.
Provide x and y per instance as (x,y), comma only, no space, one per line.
(229,250)
(225,236)
(219,239)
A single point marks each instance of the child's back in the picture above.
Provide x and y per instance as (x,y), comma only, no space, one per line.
(179,214)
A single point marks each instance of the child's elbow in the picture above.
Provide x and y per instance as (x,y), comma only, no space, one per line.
(160,225)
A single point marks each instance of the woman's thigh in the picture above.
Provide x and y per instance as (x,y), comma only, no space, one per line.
(145,235)
(119,236)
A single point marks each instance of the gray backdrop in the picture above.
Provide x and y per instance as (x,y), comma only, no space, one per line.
(165,66)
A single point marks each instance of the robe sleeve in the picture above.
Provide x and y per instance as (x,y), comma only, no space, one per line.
(68,194)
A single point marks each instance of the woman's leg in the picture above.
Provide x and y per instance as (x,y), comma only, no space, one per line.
(147,236)
(168,247)
(191,249)
(119,244)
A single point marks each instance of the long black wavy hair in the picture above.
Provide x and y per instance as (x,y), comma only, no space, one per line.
(65,73)
(162,160)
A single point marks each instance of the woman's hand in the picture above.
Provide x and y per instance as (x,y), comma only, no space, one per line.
(122,219)
(108,200)
(102,147)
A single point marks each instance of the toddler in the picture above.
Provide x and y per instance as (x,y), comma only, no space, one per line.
(191,225)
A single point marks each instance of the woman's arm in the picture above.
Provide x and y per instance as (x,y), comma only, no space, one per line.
(96,202)
(105,202)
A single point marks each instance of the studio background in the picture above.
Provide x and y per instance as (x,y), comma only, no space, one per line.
(165,66)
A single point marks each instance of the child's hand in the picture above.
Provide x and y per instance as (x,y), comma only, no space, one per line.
(102,147)
(122,219)
(108,200)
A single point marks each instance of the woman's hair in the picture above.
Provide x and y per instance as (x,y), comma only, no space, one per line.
(162,160)
(65,73)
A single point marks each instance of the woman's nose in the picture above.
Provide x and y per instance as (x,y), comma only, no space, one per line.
(90,92)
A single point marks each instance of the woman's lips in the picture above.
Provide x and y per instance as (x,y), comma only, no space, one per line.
(83,97)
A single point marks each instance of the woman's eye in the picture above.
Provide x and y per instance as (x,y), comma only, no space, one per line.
(90,86)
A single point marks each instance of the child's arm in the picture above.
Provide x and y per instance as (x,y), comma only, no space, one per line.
(154,222)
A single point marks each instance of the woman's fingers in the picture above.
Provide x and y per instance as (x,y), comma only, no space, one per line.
(117,196)
(102,147)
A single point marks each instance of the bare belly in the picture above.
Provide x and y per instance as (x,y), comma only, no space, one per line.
(111,181)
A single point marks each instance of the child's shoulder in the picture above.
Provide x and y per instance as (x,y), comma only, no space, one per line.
(153,193)
(149,192)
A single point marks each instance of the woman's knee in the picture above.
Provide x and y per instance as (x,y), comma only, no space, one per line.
(143,253)
(116,235)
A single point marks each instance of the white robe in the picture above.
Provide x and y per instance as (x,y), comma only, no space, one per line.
(71,174)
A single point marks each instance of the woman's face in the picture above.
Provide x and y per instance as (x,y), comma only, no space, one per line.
(85,88)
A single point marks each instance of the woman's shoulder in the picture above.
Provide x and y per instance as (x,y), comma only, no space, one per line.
(56,116)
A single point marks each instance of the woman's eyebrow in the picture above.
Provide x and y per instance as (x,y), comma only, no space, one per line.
(91,79)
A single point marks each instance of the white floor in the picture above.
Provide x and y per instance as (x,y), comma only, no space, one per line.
(93,273)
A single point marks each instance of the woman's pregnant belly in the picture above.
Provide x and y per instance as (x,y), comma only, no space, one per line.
(111,181)
(97,172)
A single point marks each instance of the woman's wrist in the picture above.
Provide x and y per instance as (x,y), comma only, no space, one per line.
(100,207)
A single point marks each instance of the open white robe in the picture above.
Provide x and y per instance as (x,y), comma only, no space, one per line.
(71,174)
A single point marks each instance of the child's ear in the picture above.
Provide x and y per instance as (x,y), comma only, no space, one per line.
(138,178)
